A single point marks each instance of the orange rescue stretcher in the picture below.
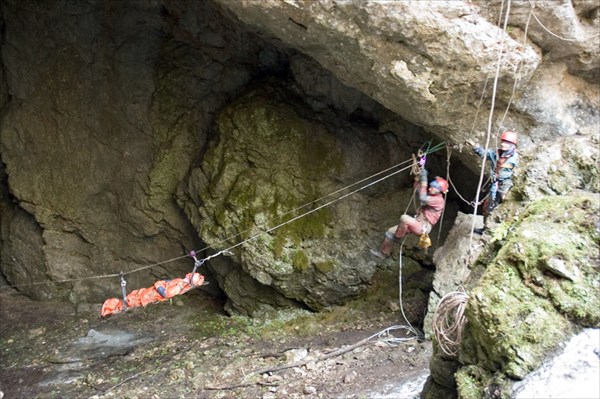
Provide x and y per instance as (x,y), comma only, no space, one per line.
(159,292)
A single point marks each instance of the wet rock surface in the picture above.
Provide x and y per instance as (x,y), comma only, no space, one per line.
(572,373)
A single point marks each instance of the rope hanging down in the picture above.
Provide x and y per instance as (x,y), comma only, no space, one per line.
(410,328)
(490,119)
(385,335)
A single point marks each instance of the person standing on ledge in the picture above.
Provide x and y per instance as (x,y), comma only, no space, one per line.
(504,160)
(428,214)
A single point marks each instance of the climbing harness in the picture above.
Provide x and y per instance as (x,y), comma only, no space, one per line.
(419,161)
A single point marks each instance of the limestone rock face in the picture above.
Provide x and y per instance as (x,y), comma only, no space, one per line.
(532,286)
(112,155)
(434,62)
(135,131)
(101,120)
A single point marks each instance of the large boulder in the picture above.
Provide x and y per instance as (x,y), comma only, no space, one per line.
(273,189)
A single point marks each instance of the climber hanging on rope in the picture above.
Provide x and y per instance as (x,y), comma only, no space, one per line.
(428,214)
(503,160)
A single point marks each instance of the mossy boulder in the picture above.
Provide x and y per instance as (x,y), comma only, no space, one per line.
(263,191)
(539,287)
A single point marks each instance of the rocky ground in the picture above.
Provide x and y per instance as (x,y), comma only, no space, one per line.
(190,348)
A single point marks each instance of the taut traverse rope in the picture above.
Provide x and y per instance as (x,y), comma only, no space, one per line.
(268,230)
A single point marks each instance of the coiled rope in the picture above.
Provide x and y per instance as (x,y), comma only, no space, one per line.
(449,321)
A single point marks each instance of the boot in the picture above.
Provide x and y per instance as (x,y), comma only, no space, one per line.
(385,249)
(377,253)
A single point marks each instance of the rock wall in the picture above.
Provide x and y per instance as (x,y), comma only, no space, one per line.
(133,132)
(106,105)
(115,118)
(434,62)
(264,190)
(106,112)
(452,261)
(534,284)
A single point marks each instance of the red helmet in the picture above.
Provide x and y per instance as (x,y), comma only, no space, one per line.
(509,136)
(440,184)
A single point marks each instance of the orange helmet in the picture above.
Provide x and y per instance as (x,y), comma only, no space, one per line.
(509,136)
(440,184)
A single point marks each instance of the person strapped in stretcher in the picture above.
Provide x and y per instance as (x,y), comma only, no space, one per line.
(160,291)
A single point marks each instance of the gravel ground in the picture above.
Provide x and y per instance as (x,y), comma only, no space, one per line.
(190,349)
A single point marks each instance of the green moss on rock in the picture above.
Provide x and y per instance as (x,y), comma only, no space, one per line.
(263,168)
(300,261)
(555,250)
(541,284)
(513,328)
(471,382)
(325,266)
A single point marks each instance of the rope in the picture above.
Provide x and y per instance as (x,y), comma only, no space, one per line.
(449,321)
(554,34)
(314,210)
(518,71)
(283,215)
(472,203)
(489,127)
(385,334)
(410,327)
(228,250)
(448,154)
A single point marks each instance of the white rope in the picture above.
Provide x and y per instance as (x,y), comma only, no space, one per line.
(385,335)
(489,127)
(554,34)
(449,320)
(316,209)
(228,250)
(517,75)
(306,205)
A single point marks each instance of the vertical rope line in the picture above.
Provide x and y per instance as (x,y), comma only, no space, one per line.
(448,154)
(489,127)
(400,286)
(519,68)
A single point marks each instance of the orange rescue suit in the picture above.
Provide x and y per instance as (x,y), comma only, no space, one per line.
(160,291)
